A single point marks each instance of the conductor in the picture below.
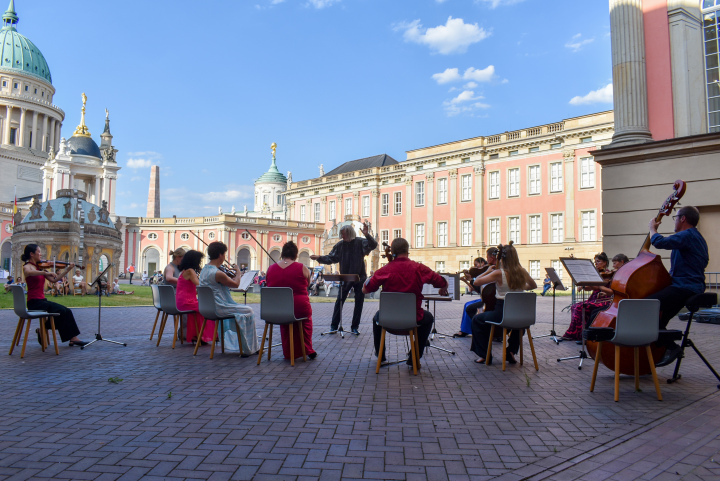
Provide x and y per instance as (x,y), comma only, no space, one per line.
(350,253)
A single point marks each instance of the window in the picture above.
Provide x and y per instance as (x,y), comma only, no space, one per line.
(557,145)
(442,234)
(27,88)
(534,149)
(439,266)
(466,188)
(466,233)
(306,239)
(266,199)
(317,212)
(397,233)
(587,173)
(348,206)
(442,185)
(152,236)
(184,236)
(302,213)
(588,232)
(494,179)
(535,228)
(464,265)
(442,163)
(513,182)
(35,90)
(5,85)
(398,203)
(385,204)
(366,206)
(15,85)
(419,167)
(384,236)
(277,238)
(514,229)
(280,199)
(494,156)
(211,235)
(420,193)
(332,210)
(556,178)
(419,235)
(585,140)
(711,20)
(535,269)
(245,235)
(512,153)
(13,135)
(534,180)
(557,265)
(556,228)
(494,231)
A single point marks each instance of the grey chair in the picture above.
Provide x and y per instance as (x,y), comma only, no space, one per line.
(398,316)
(24,315)
(206,306)
(156,303)
(277,307)
(169,308)
(518,313)
(637,325)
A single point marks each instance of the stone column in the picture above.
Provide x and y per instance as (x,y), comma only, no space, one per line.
(629,80)
(408,196)
(375,211)
(138,253)
(429,209)
(43,142)
(452,201)
(480,205)
(569,216)
(356,204)
(98,179)
(6,131)
(33,137)
(52,134)
(58,126)
(166,248)
(105,190)
(232,244)
(323,210)
(21,131)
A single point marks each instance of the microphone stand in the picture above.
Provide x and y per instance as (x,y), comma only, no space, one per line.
(98,336)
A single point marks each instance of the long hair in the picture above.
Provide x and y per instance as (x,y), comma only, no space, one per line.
(29,249)
(509,262)
(191,260)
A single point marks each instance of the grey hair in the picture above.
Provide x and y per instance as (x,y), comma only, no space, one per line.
(349,231)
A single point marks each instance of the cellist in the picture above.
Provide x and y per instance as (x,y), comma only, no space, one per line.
(688,261)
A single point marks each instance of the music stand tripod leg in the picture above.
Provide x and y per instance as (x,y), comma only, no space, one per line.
(583,353)
(434,331)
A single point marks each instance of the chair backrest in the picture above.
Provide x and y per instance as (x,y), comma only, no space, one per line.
(167,300)
(156,296)
(519,310)
(277,305)
(398,310)
(206,303)
(19,305)
(638,322)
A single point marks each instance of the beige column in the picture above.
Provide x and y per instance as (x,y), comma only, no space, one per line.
(21,132)
(52,133)
(58,127)
(356,204)
(408,209)
(323,210)
(43,142)
(166,248)
(33,137)
(452,200)
(430,209)
(479,199)
(570,214)
(232,244)
(113,191)
(6,131)
(375,212)
(629,78)
(105,183)
(138,253)
(98,179)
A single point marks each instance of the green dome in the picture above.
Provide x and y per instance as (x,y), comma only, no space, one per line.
(272,175)
(18,53)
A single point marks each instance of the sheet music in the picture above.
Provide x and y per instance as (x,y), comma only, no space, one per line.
(582,271)
(429,290)
(247,279)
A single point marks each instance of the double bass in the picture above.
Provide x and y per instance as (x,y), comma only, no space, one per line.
(643,276)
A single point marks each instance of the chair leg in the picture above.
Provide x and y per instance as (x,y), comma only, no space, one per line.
(270,341)
(182,334)
(617,373)
(262,344)
(218,323)
(199,338)
(20,330)
(636,366)
(504,347)
(489,348)
(175,329)
(152,333)
(301,332)
(27,330)
(222,337)
(652,370)
(52,326)
(598,360)
(417,347)
(380,352)
(413,349)
(163,320)
(18,333)
(292,345)
(532,349)
(43,334)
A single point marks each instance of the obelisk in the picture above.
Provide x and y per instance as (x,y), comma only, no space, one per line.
(153,205)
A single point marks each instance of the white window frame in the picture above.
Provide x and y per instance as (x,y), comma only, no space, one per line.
(466,232)
(384,236)
(442,234)
(317,211)
(397,233)
(385,204)
(465,187)
(332,211)
(366,206)
(419,236)
(348,205)
(557,230)
(557,265)
(464,265)
(397,203)
(535,229)
(534,269)
(494,225)
(588,225)
(442,190)
(587,173)
(514,228)
(556,177)
(513,178)
(440,266)
(420,193)
(534,180)
(494,184)
(302,213)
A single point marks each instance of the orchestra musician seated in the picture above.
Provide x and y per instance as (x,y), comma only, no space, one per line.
(472,307)
(509,276)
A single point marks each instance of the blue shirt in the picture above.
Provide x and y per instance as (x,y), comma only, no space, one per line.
(688,260)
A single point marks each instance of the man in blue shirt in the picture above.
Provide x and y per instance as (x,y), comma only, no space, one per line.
(688,261)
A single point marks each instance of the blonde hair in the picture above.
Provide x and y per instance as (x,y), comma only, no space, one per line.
(509,262)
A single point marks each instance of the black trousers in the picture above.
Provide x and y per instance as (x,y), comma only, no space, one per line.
(424,329)
(672,299)
(471,308)
(131,274)
(342,295)
(64,323)
(481,331)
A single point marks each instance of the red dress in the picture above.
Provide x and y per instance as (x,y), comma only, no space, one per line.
(292,276)
(186,299)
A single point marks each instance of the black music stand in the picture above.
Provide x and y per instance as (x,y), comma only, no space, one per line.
(98,336)
(556,283)
(342,279)
(583,274)
(435,299)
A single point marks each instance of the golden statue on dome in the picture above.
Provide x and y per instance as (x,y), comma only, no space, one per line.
(82,130)
(273,147)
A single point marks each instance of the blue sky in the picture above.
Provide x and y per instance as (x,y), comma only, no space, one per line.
(203,88)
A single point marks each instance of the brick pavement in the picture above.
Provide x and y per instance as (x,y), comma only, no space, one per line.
(175,416)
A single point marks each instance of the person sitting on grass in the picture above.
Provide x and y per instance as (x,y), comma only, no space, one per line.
(116,288)
(8,283)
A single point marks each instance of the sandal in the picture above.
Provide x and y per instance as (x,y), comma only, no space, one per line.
(510,358)
(460,334)
(77,343)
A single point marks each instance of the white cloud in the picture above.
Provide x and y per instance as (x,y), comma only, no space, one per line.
(465,102)
(497,3)
(453,37)
(470,85)
(576,43)
(484,75)
(449,75)
(602,95)
(321,3)
(139,163)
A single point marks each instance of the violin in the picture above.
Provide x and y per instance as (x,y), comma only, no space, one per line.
(388,253)
(51,264)
(228,271)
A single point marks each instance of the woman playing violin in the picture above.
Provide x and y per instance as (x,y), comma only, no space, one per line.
(35,279)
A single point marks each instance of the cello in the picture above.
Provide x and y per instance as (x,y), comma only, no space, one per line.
(643,276)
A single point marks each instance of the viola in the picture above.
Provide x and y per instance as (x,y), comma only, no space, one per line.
(643,276)
(51,264)
(388,253)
